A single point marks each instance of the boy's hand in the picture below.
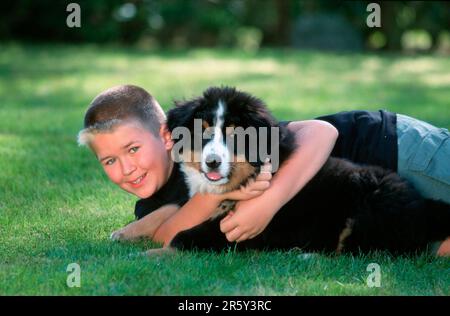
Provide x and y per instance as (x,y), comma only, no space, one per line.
(253,188)
(248,223)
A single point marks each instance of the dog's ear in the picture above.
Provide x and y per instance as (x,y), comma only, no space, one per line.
(182,114)
(260,116)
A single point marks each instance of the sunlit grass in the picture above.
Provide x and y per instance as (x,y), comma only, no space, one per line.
(57,207)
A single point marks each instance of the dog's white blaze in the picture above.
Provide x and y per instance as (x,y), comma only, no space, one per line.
(217,146)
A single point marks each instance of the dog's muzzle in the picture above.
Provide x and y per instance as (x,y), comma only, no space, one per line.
(213,161)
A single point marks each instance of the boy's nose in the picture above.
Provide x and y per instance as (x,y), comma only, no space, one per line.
(128,167)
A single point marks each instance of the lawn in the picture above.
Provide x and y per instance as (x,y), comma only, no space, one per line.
(57,207)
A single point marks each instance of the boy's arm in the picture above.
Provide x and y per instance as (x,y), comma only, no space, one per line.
(164,223)
(315,141)
(197,210)
(147,225)
(202,206)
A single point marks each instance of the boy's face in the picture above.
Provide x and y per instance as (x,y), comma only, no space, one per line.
(134,159)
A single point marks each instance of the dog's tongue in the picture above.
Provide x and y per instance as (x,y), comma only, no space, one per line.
(214,176)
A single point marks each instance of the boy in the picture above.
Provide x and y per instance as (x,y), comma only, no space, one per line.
(125,128)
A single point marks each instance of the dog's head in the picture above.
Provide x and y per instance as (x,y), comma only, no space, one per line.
(224,137)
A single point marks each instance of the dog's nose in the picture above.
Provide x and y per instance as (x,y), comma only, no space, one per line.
(213,161)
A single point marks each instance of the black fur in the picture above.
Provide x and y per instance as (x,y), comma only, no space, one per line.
(385,212)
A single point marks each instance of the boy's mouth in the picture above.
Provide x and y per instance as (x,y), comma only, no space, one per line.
(138,181)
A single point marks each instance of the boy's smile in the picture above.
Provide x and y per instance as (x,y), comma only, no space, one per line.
(134,159)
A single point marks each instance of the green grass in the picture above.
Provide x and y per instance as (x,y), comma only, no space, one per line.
(57,207)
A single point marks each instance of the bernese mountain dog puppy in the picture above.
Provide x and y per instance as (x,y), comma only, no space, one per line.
(345,208)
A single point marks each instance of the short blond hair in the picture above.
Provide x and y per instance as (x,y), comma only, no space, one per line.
(118,105)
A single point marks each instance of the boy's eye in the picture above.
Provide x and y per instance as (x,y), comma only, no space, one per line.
(110,161)
(134,149)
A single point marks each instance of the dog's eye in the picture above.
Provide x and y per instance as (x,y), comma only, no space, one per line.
(205,124)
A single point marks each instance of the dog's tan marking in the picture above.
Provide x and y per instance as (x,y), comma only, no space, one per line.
(193,164)
(241,172)
(347,231)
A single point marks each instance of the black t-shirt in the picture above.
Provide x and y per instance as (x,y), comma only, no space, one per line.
(364,137)
(175,191)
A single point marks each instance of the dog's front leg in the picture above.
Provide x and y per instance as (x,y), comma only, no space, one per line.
(205,236)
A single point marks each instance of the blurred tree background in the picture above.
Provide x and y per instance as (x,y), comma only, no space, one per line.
(243,24)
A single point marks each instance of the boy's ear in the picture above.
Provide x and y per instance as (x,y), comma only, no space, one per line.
(182,114)
(166,136)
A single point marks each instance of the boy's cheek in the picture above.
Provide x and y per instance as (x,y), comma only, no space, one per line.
(112,175)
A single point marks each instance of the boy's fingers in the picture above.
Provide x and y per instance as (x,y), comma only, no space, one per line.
(266,167)
(264,176)
(243,237)
(254,194)
(260,186)
(234,234)
(263,179)
(227,225)
(227,217)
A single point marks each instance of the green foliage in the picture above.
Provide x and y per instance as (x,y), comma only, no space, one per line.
(57,207)
(217,23)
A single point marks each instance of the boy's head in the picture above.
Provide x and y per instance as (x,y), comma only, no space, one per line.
(125,128)
(125,103)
